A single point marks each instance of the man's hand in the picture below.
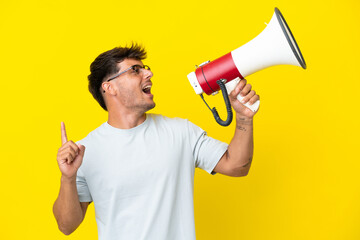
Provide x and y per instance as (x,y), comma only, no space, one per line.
(249,96)
(70,155)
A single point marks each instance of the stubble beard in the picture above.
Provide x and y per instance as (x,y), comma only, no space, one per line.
(151,106)
(142,107)
(135,103)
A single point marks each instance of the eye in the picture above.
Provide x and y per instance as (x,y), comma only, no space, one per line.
(136,69)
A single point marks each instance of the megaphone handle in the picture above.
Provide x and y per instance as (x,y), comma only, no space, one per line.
(253,107)
(230,86)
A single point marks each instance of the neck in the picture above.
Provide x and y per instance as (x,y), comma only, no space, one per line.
(125,120)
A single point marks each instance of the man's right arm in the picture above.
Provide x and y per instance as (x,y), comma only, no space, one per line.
(68,210)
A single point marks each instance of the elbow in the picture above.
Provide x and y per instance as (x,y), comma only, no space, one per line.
(241,173)
(67,233)
(67,224)
(238,172)
(65,230)
(65,227)
(244,174)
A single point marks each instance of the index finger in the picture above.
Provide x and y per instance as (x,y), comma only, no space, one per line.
(63,133)
(239,87)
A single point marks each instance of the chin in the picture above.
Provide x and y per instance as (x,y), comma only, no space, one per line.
(151,106)
(147,107)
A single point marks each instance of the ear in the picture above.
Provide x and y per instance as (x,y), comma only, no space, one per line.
(108,87)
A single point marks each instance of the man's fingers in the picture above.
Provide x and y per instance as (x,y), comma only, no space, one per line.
(248,97)
(245,90)
(70,159)
(72,152)
(82,150)
(241,85)
(65,156)
(69,146)
(238,88)
(254,99)
(63,133)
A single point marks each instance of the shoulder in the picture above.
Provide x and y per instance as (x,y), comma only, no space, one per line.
(92,136)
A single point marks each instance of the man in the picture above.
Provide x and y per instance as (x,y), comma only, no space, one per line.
(138,168)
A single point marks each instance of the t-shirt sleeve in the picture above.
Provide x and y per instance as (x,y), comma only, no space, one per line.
(207,151)
(82,187)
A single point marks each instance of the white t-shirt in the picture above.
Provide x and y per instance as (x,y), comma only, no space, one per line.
(141,179)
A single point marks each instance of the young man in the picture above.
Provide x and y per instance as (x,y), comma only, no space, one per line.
(138,168)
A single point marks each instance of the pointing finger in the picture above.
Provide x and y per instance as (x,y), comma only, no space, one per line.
(63,133)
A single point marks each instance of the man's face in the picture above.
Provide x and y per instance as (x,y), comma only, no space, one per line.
(134,87)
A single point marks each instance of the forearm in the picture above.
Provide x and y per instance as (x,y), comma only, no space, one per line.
(67,208)
(241,147)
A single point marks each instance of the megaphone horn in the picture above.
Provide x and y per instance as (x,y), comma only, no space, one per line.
(275,45)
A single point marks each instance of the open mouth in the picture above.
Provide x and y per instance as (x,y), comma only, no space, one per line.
(147,89)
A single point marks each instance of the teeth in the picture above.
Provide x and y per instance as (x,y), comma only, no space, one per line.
(147,87)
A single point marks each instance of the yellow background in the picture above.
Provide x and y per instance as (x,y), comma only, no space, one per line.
(304,181)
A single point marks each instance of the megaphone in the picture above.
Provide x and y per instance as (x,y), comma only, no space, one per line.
(275,45)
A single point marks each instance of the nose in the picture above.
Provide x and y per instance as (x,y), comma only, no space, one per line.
(147,73)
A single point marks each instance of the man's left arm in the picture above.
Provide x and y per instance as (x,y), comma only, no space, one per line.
(237,159)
